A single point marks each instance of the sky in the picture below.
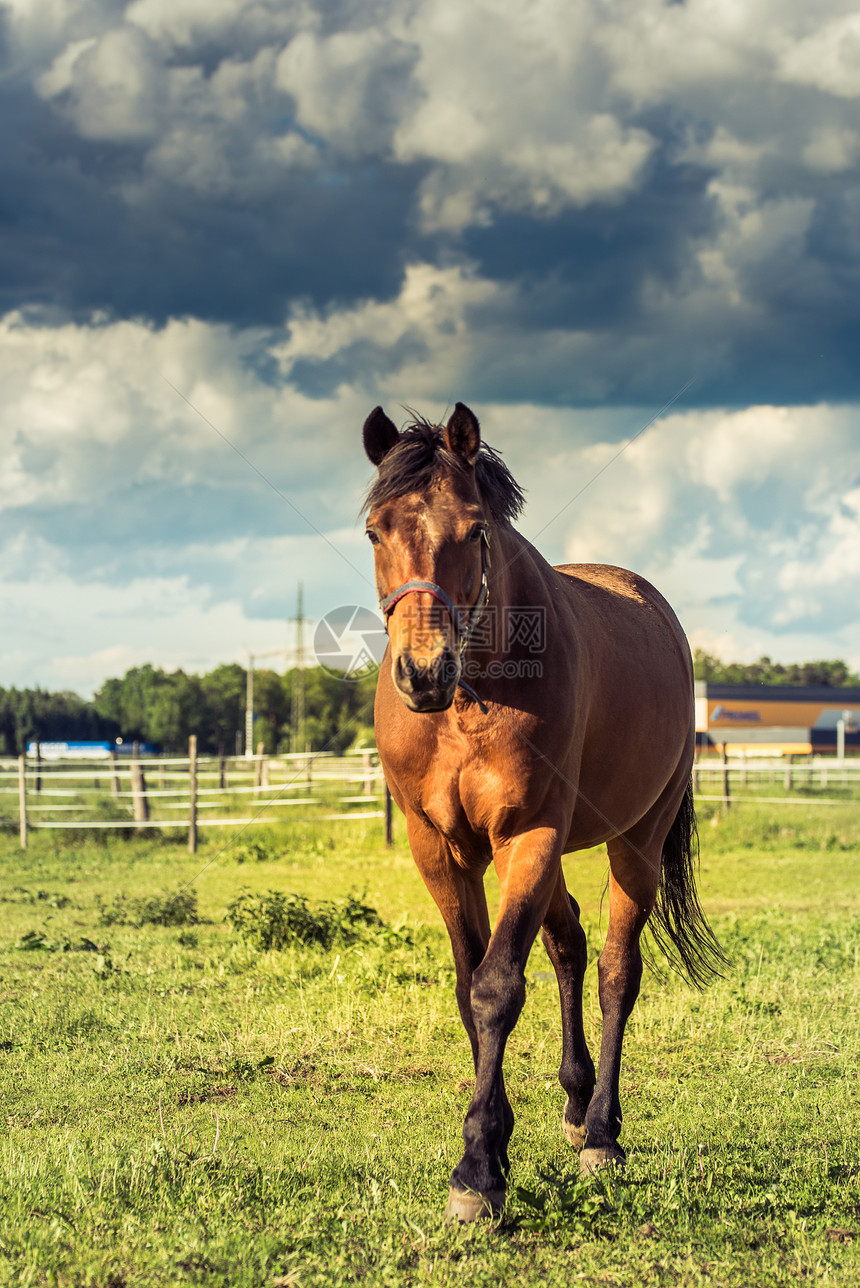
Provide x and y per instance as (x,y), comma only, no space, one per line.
(625,232)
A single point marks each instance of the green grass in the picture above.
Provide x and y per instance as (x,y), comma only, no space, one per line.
(181,1108)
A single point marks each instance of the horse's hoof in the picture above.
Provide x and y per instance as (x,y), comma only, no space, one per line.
(600,1158)
(465,1206)
(574,1135)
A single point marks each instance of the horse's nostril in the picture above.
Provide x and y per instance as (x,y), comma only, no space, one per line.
(425,675)
(444,668)
(406,670)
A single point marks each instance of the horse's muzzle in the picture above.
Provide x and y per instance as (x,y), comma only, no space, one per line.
(427,685)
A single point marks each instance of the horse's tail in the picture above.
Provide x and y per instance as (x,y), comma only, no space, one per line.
(678,924)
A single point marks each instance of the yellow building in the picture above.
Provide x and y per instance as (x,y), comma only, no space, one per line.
(776,719)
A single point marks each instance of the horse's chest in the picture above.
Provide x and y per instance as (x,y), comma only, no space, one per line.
(466,802)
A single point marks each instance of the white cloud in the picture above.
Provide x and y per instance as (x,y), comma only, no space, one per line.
(347,86)
(114,87)
(429,318)
(94,631)
(120,505)
(89,409)
(828,59)
(752,515)
(832,149)
(183,23)
(512,113)
(658,51)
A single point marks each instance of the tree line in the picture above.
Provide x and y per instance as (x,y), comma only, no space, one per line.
(831,674)
(164,707)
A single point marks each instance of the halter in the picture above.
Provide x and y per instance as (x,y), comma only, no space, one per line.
(463,626)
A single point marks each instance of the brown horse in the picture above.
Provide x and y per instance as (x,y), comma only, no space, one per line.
(524,711)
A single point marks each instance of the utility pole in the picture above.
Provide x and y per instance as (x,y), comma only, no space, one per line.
(249,697)
(249,708)
(297,704)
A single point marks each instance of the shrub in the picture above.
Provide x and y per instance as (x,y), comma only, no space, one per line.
(255,850)
(276,920)
(176,908)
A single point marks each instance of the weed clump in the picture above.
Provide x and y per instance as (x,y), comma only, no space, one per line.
(20,894)
(173,908)
(256,850)
(277,920)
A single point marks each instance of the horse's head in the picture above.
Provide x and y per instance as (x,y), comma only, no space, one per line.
(429,531)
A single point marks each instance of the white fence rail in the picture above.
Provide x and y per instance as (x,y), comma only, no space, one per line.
(173,792)
(776,781)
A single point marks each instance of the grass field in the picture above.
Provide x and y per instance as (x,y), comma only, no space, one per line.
(181,1106)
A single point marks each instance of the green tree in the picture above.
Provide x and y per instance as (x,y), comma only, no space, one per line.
(833,673)
(272,708)
(163,707)
(224,696)
(35,714)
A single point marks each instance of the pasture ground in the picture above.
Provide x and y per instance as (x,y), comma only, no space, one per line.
(180,1107)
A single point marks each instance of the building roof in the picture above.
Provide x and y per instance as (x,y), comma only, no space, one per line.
(826,694)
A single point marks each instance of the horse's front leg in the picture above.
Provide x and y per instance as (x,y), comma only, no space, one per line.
(459,895)
(528,870)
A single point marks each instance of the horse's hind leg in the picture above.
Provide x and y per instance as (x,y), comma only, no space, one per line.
(564,940)
(633,882)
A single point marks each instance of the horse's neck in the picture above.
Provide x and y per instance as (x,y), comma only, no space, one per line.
(519,574)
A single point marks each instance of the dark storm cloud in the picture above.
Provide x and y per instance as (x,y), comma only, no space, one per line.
(584,268)
(236,167)
(71,241)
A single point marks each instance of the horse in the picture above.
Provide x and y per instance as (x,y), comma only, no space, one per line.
(523,712)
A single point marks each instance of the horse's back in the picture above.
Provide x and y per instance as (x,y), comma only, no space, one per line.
(617,590)
(607,598)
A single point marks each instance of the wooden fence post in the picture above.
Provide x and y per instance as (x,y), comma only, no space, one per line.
(114,776)
(258,769)
(368,774)
(788,773)
(724,756)
(192,793)
(389,820)
(138,787)
(38,766)
(22,799)
(222,767)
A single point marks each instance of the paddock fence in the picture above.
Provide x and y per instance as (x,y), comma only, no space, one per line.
(778,780)
(122,793)
(191,792)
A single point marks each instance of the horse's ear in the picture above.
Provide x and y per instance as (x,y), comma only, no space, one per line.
(463,434)
(380,435)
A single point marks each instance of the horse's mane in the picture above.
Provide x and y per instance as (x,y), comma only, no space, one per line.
(420,456)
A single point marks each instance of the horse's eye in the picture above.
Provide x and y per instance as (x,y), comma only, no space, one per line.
(477,532)
(372,537)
